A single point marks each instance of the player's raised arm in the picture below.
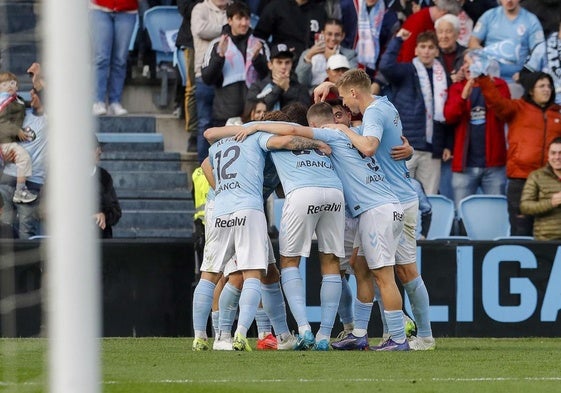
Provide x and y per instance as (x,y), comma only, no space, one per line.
(294,142)
(367,145)
(279,128)
(216,133)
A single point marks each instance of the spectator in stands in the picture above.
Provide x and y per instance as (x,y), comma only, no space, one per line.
(112,27)
(507,34)
(280,87)
(479,154)
(424,21)
(533,122)
(184,42)
(547,58)
(109,212)
(373,25)
(541,196)
(292,22)
(312,65)
(447,29)
(207,20)
(419,92)
(246,63)
(12,112)
(26,217)
(254,111)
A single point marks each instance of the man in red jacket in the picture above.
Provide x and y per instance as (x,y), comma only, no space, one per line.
(479,155)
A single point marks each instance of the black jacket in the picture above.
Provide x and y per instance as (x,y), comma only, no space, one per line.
(108,202)
(184,37)
(295,93)
(291,24)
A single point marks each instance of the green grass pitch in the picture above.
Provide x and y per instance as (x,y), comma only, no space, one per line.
(154,365)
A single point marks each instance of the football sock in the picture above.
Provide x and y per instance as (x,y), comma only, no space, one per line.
(330,295)
(228,306)
(273,304)
(293,289)
(202,303)
(249,301)
(395,325)
(419,299)
(345,309)
(263,323)
(362,317)
(215,318)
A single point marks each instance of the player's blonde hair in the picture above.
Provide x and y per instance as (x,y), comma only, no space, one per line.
(355,78)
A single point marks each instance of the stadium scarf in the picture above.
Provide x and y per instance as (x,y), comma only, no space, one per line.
(434,103)
(4,104)
(369,27)
(236,68)
(554,60)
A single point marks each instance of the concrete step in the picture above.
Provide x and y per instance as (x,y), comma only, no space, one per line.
(126,166)
(127,124)
(149,180)
(131,141)
(167,194)
(131,155)
(133,233)
(156,219)
(157,204)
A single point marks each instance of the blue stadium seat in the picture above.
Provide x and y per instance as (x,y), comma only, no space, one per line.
(134,33)
(485,217)
(162,24)
(442,217)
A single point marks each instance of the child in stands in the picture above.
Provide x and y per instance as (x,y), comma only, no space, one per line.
(12,112)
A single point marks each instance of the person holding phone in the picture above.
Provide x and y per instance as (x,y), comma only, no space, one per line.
(312,66)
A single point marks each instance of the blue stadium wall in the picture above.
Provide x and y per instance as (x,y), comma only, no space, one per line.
(477,289)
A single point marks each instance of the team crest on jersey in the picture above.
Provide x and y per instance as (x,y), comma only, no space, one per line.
(396,119)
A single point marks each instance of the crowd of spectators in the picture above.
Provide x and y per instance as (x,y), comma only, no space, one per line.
(463,74)
(444,64)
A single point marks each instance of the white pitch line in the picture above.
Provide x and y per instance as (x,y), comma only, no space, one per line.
(302,380)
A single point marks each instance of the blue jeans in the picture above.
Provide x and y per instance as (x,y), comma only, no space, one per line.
(23,217)
(204,95)
(491,180)
(111,34)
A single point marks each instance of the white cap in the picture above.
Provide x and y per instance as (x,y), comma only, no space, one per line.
(338,61)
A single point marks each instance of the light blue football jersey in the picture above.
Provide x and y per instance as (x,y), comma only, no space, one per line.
(508,41)
(238,171)
(364,182)
(303,168)
(381,120)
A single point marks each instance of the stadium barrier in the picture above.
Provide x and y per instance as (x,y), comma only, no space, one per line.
(477,289)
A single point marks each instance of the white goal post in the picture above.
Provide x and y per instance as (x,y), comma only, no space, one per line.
(72,268)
